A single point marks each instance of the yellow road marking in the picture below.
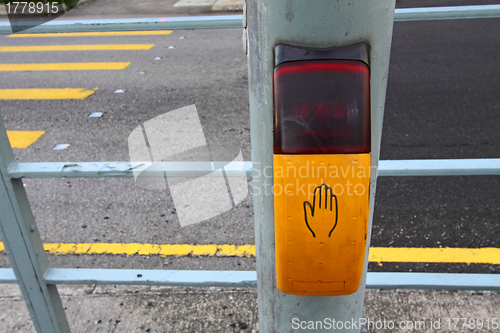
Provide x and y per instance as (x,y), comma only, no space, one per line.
(29,94)
(178,250)
(436,255)
(23,139)
(96,47)
(377,254)
(72,66)
(86,34)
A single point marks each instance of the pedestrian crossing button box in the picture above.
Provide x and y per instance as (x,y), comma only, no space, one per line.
(322,146)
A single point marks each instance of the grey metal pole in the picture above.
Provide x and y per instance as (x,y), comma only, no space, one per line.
(25,249)
(319,23)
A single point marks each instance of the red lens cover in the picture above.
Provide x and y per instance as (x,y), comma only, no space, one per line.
(322,107)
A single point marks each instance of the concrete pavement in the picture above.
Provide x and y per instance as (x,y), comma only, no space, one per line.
(93,308)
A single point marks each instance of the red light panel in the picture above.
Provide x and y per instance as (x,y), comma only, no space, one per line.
(322,107)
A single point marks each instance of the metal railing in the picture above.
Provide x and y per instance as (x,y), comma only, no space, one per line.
(236,21)
(24,247)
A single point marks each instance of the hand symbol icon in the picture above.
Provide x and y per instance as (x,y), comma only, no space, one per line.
(323,213)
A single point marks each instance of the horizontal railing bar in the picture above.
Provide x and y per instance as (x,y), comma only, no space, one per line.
(126,169)
(446,13)
(457,167)
(236,21)
(448,281)
(134,24)
(375,280)
(7,275)
(152,277)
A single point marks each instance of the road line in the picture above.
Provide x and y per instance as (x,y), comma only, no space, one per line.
(88,34)
(72,66)
(377,254)
(31,94)
(23,139)
(93,47)
(436,255)
(164,250)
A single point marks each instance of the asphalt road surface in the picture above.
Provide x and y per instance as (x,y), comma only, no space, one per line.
(442,102)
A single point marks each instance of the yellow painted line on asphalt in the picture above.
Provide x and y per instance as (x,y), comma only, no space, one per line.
(164,250)
(377,254)
(487,255)
(94,47)
(72,66)
(23,139)
(31,94)
(87,34)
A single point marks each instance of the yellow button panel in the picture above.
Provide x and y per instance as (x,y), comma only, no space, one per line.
(321,205)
